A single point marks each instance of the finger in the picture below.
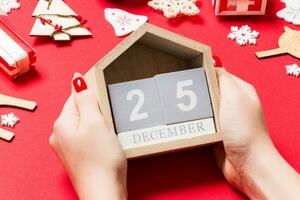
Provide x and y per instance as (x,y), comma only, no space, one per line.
(246,87)
(227,84)
(85,100)
(69,111)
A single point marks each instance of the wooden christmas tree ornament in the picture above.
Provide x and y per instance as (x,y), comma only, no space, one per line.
(55,19)
(289,42)
(2,12)
(155,73)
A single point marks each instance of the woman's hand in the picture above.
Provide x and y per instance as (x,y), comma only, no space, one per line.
(248,159)
(88,149)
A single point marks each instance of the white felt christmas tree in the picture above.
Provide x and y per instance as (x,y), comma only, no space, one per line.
(55,19)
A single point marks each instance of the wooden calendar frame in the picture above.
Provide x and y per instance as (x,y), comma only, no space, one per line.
(168,49)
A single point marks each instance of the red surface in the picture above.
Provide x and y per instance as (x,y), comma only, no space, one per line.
(30,170)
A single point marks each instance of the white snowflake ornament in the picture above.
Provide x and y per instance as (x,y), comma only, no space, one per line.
(292,3)
(291,13)
(293,70)
(243,35)
(8,5)
(9,120)
(124,22)
(173,8)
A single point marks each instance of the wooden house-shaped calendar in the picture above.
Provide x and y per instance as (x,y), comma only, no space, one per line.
(158,91)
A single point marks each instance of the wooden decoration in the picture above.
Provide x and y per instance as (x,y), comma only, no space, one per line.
(6,135)
(145,53)
(2,12)
(289,42)
(239,7)
(54,18)
(16,102)
(123,22)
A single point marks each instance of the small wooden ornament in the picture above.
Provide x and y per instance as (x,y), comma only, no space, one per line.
(55,19)
(289,42)
(124,22)
(6,135)
(16,102)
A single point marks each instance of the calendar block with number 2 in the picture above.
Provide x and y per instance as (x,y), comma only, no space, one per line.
(136,105)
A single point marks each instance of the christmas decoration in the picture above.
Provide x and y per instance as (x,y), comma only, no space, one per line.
(243,35)
(17,102)
(239,7)
(293,70)
(9,120)
(124,22)
(55,19)
(2,12)
(16,56)
(7,5)
(288,43)
(174,8)
(291,13)
(6,135)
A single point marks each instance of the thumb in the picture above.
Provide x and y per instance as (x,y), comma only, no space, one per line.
(84,98)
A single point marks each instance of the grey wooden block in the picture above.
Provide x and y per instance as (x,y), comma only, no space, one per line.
(135,105)
(184,95)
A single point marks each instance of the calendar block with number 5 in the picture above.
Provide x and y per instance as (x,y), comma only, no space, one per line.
(184,96)
(135,105)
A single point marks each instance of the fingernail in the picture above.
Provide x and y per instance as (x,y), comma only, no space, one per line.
(79,84)
(217,61)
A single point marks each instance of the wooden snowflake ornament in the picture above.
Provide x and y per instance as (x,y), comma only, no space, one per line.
(7,5)
(293,70)
(55,19)
(174,8)
(9,120)
(243,35)
(124,22)
(291,13)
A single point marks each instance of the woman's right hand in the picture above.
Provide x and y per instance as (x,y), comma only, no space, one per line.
(247,158)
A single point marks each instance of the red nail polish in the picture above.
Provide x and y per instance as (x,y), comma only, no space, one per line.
(79,84)
(217,61)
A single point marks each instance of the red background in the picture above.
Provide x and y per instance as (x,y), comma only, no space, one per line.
(30,170)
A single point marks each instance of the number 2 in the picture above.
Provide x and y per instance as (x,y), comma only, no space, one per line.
(135,115)
(189,93)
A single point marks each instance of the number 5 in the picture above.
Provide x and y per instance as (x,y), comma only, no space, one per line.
(189,93)
(135,115)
